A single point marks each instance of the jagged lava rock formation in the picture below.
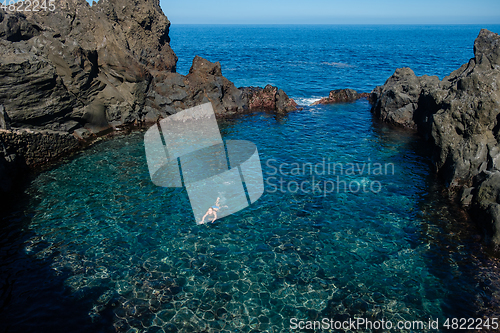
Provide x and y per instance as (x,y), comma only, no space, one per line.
(268,98)
(341,96)
(460,117)
(76,72)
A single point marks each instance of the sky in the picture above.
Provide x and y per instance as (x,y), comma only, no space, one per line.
(332,11)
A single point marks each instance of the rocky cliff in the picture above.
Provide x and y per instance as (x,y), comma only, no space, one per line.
(460,118)
(82,70)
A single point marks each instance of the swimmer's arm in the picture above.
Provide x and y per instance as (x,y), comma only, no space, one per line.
(203,219)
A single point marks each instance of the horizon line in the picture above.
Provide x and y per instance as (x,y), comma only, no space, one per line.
(379,24)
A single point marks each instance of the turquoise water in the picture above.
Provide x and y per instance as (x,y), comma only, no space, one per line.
(98,248)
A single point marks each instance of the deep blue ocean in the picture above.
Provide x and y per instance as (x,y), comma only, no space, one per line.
(97,247)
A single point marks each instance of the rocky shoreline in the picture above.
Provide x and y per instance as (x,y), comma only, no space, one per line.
(71,75)
(459,118)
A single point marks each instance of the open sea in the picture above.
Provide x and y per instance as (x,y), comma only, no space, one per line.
(97,247)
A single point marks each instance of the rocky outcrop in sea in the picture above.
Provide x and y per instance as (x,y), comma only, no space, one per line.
(268,98)
(72,74)
(341,96)
(460,118)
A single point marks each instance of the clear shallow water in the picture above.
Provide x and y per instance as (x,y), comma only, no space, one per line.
(99,248)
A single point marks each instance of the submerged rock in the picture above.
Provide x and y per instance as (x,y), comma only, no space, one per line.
(459,116)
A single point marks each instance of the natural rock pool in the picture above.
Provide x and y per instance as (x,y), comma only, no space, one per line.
(100,247)
(95,246)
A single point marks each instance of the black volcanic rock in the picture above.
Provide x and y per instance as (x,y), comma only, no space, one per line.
(206,83)
(397,100)
(172,92)
(341,96)
(268,98)
(15,28)
(102,66)
(137,28)
(487,48)
(40,94)
(460,117)
(485,202)
(4,119)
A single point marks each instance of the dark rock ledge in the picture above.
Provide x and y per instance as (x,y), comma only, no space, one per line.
(81,71)
(459,117)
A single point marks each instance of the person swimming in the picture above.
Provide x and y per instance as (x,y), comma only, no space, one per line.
(212,211)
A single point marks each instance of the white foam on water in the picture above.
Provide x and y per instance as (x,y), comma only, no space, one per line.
(306,101)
